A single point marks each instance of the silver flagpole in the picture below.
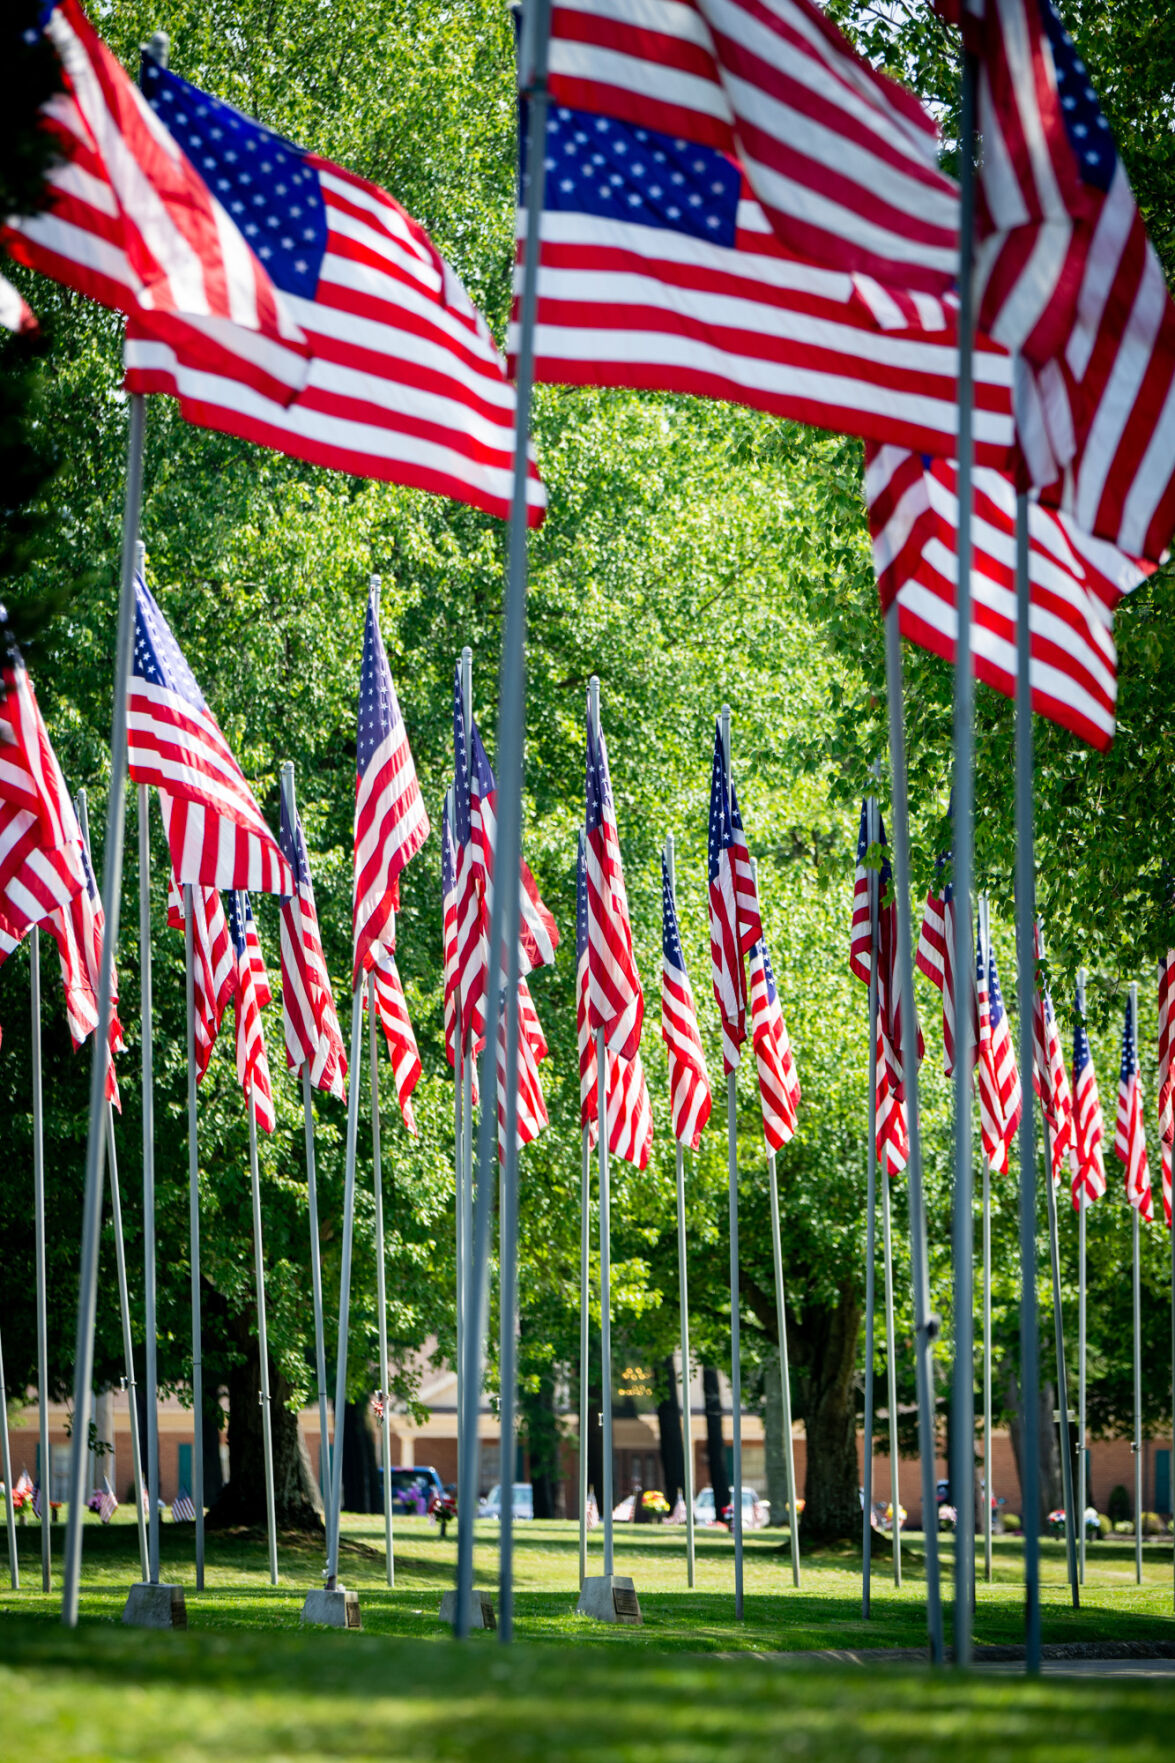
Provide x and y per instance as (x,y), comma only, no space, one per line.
(6,1464)
(870,1233)
(1136,1447)
(262,1343)
(891,1369)
(687,1436)
(926,1323)
(736,1381)
(194,1258)
(1071,1515)
(789,1458)
(512,696)
(605,1229)
(287,787)
(124,1302)
(508,1363)
(985,924)
(1026,983)
(1082,1470)
(76,1493)
(458,1179)
(336,1456)
(381,1287)
(585,1178)
(963,1396)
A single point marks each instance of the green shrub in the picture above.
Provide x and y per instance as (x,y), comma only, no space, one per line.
(1152,1525)
(1012,1522)
(1103,1524)
(1123,1528)
(1118,1504)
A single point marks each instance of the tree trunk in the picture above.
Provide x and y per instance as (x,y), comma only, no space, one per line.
(828,1342)
(542,1446)
(595,1444)
(773,1441)
(242,1499)
(1050,1459)
(715,1448)
(361,1489)
(672,1447)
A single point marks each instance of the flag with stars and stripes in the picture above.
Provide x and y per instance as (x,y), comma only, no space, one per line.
(449,929)
(41,864)
(216,832)
(1166,1075)
(1129,1130)
(183,1510)
(936,952)
(891,1126)
(391,1009)
(391,823)
(78,930)
(617,1004)
(213,962)
(779,1084)
(630,1115)
(531,1109)
(472,933)
(1049,1077)
(248,992)
(405,382)
(1089,1160)
(997,1079)
(314,1040)
(861,915)
(107,1501)
(726,950)
(689,1081)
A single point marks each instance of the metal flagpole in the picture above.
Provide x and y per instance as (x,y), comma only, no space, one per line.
(963,1396)
(1082,1459)
(194,1257)
(381,1292)
(870,1232)
(1026,984)
(585,1179)
(605,1229)
(532,63)
(336,1457)
(985,924)
(891,1367)
(687,1437)
(6,1465)
(926,1323)
(1136,1447)
(736,1380)
(44,1477)
(124,1302)
(262,1342)
(789,1457)
(1074,1520)
(508,1363)
(287,786)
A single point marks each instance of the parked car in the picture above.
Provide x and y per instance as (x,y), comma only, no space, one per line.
(415,1490)
(756,1512)
(491,1506)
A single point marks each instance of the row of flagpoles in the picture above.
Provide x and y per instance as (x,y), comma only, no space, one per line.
(1048,322)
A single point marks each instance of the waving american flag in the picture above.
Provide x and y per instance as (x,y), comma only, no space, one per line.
(630,1116)
(41,863)
(892,1133)
(617,1004)
(250,989)
(531,1111)
(1049,1077)
(79,930)
(1130,1131)
(213,964)
(936,952)
(998,1081)
(1089,1161)
(391,1009)
(779,1084)
(1166,1075)
(689,1081)
(314,1040)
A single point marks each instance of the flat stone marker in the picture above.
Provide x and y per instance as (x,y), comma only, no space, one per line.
(610,1597)
(483,1610)
(155,1606)
(332,1609)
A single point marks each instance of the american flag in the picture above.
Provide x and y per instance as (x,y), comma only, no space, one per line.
(698,235)
(107,1501)
(449,927)
(892,1133)
(390,819)
(391,1011)
(1166,1076)
(1068,278)
(15,312)
(936,952)
(405,383)
(213,962)
(79,930)
(779,1084)
(216,832)
(41,864)
(617,1004)
(314,1040)
(531,1115)
(689,1081)
(1075,584)
(630,1117)
(132,224)
(249,994)
(1049,1077)
(537,933)
(1089,1162)
(1129,1130)
(861,917)
(472,931)
(726,953)
(183,1510)
(998,1081)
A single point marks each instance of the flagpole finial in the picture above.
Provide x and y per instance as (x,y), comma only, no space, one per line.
(724,722)
(669,864)
(467,698)
(594,702)
(140,559)
(158,47)
(374,583)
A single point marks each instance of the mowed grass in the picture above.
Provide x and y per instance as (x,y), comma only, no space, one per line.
(246,1682)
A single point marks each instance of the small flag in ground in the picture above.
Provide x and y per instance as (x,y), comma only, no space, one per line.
(391,1010)
(213,962)
(1166,1074)
(617,1004)
(216,832)
(314,1040)
(183,1510)
(779,1084)
(252,1064)
(1089,1163)
(107,1501)
(1049,1077)
(1130,1132)
(391,823)
(689,1081)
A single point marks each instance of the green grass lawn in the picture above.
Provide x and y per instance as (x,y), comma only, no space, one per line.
(247,1683)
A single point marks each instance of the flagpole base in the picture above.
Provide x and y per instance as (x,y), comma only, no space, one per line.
(610,1597)
(337,1608)
(483,1610)
(155,1606)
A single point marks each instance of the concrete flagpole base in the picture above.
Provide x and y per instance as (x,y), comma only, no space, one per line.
(482,1615)
(610,1597)
(155,1606)
(332,1607)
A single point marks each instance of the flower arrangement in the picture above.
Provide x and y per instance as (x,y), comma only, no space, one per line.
(654,1505)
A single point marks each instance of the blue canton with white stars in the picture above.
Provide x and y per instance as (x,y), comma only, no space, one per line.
(768,974)
(1087,129)
(378,711)
(1129,1057)
(461,828)
(597,165)
(483,771)
(293,847)
(447,876)
(581,918)
(1081,1052)
(158,657)
(238,905)
(721,836)
(994,995)
(670,935)
(262,180)
(598,790)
